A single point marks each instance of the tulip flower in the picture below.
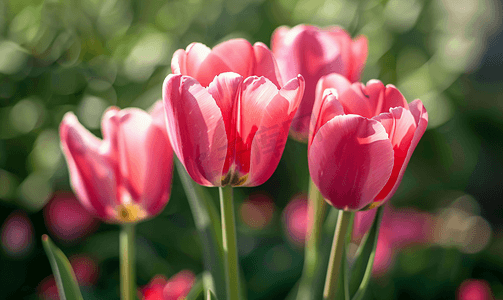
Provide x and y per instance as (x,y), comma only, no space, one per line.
(474,289)
(176,287)
(236,55)
(16,235)
(361,139)
(126,177)
(315,52)
(232,132)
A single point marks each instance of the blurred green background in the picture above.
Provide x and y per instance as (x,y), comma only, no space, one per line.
(83,56)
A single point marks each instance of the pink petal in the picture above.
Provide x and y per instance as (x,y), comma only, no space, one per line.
(265,64)
(359,49)
(224,89)
(91,173)
(350,160)
(278,37)
(231,56)
(179,62)
(272,132)
(400,126)
(323,111)
(146,160)
(195,57)
(195,128)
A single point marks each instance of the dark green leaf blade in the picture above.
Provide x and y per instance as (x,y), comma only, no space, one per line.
(63,273)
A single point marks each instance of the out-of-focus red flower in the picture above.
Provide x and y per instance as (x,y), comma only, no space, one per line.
(47,289)
(257,211)
(126,177)
(295,219)
(474,289)
(67,219)
(361,140)
(85,268)
(400,228)
(314,52)
(17,234)
(175,288)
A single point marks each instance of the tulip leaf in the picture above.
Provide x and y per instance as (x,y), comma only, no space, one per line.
(361,270)
(196,290)
(210,295)
(208,225)
(63,273)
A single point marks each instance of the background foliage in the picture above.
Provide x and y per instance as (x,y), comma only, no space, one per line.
(83,56)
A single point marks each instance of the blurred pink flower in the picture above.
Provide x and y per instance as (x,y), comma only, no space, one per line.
(474,289)
(314,52)
(17,234)
(400,228)
(257,211)
(126,177)
(85,268)
(175,288)
(295,219)
(67,219)
(47,289)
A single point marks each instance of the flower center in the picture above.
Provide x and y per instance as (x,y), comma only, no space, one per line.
(129,213)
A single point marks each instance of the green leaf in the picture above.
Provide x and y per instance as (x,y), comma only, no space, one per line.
(361,270)
(196,290)
(210,295)
(63,272)
(208,225)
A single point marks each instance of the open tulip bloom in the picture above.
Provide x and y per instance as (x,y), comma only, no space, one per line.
(124,178)
(361,139)
(231,130)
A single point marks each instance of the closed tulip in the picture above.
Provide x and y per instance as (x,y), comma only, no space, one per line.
(313,53)
(361,139)
(126,177)
(232,132)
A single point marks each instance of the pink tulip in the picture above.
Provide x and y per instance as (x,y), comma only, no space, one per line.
(175,288)
(361,139)
(232,132)
(315,52)
(236,55)
(126,177)
(67,219)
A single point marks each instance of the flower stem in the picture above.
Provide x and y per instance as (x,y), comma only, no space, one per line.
(336,256)
(127,261)
(316,212)
(229,242)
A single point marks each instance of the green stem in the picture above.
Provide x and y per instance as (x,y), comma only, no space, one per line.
(316,212)
(127,260)
(336,256)
(229,242)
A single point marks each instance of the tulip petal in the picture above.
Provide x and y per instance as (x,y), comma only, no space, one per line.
(323,111)
(265,64)
(195,128)
(400,126)
(278,37)
(231,56)
(270,137)
(350,160)
(91,173)
(359,49)
(146,160)
(179,62)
